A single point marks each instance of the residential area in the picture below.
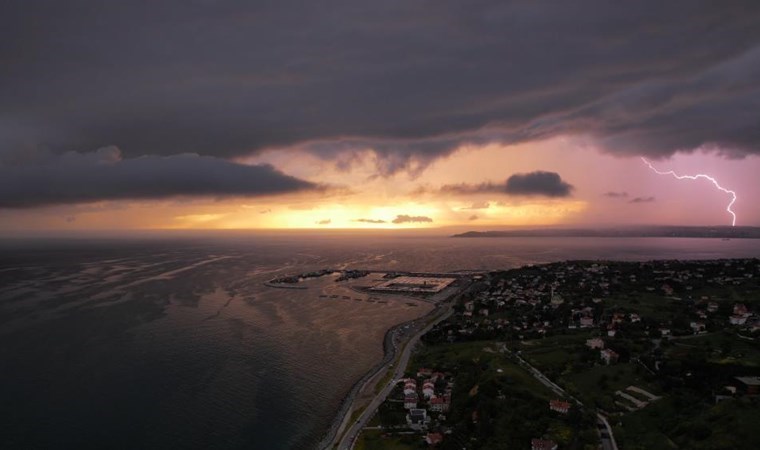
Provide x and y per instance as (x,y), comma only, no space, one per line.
(537,355)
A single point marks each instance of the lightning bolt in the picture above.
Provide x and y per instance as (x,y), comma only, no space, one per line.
(697,177)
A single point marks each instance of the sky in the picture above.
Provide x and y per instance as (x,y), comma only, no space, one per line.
(201,114)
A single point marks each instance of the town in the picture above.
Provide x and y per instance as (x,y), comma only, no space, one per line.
(586,355)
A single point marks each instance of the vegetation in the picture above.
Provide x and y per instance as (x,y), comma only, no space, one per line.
(680,333)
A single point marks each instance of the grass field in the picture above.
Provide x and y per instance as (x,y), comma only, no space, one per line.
(597,385)
(374,440)
(449,357)
(731,424)
(719,348)
(555,353)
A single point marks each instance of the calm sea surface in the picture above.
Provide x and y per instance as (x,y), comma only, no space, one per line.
(175,343)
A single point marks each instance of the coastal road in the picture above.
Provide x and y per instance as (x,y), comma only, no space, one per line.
(349,437)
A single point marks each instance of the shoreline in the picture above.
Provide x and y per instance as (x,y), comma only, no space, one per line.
(340,424)
(340,417)
(389,354)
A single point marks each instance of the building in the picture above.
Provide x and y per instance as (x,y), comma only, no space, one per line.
(428,389)
(414,284)
(697,326)
(434,438)
(740,309)
(737,320)
(749,385)
(587,322)
(424,372)
(609,356)
(543,444)
(440,404)
(559,406)
(410,386)
(595,343)
(417,418)
(410,401)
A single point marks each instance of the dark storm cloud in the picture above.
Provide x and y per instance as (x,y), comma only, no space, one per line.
(403,218)
(324,222)
(540,183)
(410,81)
(369,221)
(613,194)
(643,200)
(104,175)
(548,184)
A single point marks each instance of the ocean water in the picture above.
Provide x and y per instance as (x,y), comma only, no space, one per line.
(175,342)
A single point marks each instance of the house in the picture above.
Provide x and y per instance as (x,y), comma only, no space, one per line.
(428,389)
(469,306)
(595,343)
(609,356)
(410,401)
(559,406)
(740,309)
(424,372)
(664,331)
(483,312)
(587,322)
(749,385)
(712,306)
(434,438)
(435,376)
(737,320)
(611,332)
(543,444)
(696,327)
(417,418)
(440,404)
(410,386)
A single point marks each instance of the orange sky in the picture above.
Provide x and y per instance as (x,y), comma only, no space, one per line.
(357,193)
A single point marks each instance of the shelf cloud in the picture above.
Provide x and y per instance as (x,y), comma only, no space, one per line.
(104,175)
(233,78)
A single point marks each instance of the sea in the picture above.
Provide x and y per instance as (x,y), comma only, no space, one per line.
(174,340)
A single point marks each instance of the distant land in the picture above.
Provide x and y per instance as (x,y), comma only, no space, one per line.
(644,231)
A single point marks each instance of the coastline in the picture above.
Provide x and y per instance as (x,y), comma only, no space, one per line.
(348,400)
(340,424)
(389,353)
